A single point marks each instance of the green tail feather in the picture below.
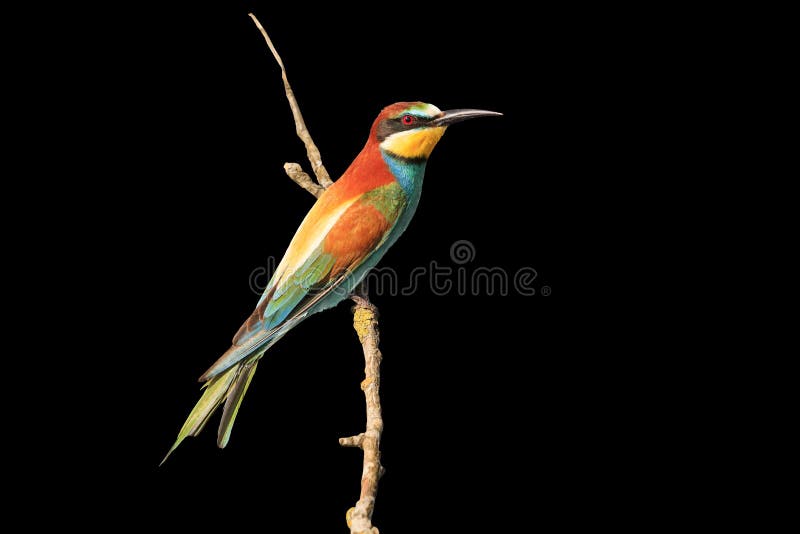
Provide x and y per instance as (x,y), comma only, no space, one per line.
(235,397)
(216,391)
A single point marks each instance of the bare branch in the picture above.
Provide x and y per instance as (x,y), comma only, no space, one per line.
(312,152)
(365,323)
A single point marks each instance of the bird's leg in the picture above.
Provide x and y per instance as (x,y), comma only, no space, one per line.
(360,296)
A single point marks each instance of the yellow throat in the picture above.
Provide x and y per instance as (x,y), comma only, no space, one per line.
(414,144)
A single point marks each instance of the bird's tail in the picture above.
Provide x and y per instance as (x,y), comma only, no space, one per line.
(228,387)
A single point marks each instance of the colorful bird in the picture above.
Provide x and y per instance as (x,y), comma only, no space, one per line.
(344,235)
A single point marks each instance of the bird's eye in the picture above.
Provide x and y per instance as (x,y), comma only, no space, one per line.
(408,119)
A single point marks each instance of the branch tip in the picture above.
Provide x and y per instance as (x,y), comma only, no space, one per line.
(352,441)
(301,178)
(312,152)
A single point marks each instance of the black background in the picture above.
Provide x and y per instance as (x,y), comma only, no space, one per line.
(495,407)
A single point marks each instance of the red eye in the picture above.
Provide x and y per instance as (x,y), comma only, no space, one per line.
(408,119)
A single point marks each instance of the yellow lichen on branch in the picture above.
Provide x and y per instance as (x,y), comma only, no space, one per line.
(362,322)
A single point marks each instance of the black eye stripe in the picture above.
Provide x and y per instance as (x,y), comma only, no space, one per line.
(393,125)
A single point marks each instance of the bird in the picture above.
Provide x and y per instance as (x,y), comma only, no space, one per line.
(345,233)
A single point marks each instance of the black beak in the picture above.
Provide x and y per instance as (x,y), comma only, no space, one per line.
(452,116)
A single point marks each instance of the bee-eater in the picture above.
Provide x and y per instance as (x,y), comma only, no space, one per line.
(344,235)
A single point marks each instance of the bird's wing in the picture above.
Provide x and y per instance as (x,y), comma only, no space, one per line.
(335,238)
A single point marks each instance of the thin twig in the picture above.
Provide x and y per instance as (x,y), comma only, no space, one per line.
(352,441)
(365,323)
(312,152)
(301,178)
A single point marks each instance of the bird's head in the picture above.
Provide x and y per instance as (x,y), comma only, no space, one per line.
(410,130)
